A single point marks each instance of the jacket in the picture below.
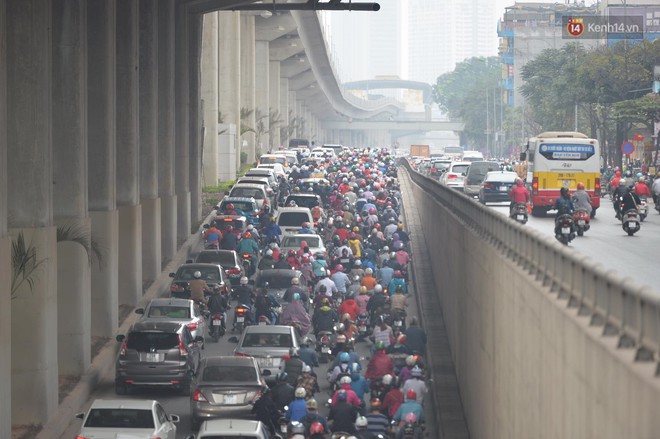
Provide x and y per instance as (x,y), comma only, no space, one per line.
(297,409)
(379,365)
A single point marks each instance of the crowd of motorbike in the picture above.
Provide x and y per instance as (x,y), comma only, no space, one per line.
(357,291)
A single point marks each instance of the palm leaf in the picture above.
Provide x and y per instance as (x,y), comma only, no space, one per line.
(24,264)
(80,234)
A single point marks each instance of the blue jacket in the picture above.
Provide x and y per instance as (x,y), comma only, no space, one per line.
(360,387)
(410,406)
(297,410)
(394,283)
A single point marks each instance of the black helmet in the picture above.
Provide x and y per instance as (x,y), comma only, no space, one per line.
(564,191)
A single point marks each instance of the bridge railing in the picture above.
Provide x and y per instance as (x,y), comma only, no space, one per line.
(620,306)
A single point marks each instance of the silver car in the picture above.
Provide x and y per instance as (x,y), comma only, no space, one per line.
(183,311)
(267,344)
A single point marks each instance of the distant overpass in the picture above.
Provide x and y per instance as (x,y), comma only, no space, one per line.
(395,125)
(376,84)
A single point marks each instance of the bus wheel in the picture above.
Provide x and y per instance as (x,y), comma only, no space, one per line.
(538,211)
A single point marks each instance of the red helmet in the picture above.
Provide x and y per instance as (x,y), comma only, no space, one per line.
(377,226)
(339,267)
(230,206)
(247,235)
(411,394)
(372,211)
(305,260)
(352,235)
(316,428)
(397,273)
(580,185)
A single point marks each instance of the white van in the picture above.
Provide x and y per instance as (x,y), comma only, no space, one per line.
(290,219)
(473,156)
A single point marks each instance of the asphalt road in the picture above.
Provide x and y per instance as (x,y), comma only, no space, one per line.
(606,242)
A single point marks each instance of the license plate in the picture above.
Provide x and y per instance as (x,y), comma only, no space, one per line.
(397,323)
(632,225)
(231,399)
(153,358)
(581,222)
(363,329)
(283,428)
(502,188)
(240,319)
(520,217)
(263,323)
(565,230)
(265,362)
(217,322)
(325,349)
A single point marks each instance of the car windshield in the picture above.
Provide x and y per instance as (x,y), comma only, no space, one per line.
(296,241)
(279,160)
(245,206)
(247,192)
(229,374)
(292,219)
(226,259)
(274,280)
(173,312)
(119,418)
(145,341)
(255,340)
(302,201)
(441,165)
(459,169)
(188,273)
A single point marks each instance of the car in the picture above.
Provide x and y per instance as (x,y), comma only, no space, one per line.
(274,158)
(252,179)
(275,167)
(229,261)
(267,344)
(290,219)
(324,152)
(213,274)
(496,186)
(437,166)
(303,199)
(293,242)
(291,156)
(248,190)
(454,176)
(279,280)
(184,311)
(157,354)
(246,205)
(338,149)
(476,174)
(225,386)
(129,418)
(313,182)
(303,150)
(232,428)
(472,156)
(264,173)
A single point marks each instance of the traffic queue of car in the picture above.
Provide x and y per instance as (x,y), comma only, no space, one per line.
(298,267)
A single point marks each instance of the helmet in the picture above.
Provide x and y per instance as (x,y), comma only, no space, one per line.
(346,316)
(362,290)
(301,392)
(361,422)
(641,179)
(339,267)
(401,339)
(345,380)
(387,380)
(324,300)
(580,185)
(372,211)
(305,259)
(628,173)
(622,182)
(341,395)
(386,249)
(378,288)
(316,427)
(344,357)
(410,360)
(375,403)
(197,274)
(306,368)
(380,345)
(247,235)
(356,229)
(416,372)
(250,227)
(392,255)
(564,191)
(410,394)
(282,376)
(305,224)
(296,296)
(269,252)
(295,281)
(244,280)
(397,273)
(340,328)
(230,206)
(368,271)
(357,263)
(341,338)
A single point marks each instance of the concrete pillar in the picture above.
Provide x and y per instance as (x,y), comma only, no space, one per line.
(274,103)
(182,121)
(248,101)
(229,71)
(166,129)
(128,154)
(284,113)
(101,135)
(209,92)
(5,242)
(70,184)
(262,94)
(33,309)
(148,126)
(195,121)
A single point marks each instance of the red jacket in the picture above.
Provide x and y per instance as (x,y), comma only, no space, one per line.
(379,366)
(519,194)
(642,189)
(351,396)
(392,401)
(350,307)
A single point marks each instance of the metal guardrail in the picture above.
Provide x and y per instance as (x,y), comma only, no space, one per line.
(621,306)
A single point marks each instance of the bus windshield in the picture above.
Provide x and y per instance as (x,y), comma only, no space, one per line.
(565,151)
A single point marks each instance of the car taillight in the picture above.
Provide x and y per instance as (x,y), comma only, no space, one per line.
(489,186)
(597,187)
(240,354)
(122,351)
(451,176)
(234,271)
(182,349)
(192,326)
(434,170)
(535,186)
(199,396)
(81,437)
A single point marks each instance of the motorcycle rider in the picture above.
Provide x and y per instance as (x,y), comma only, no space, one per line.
(218,304)
(267,262)
(377,302)
(324,318)
(249,246)
(618,195)
(655,187)
(351,396)
(629,201)
(641,188)
(380,364)
(296,315)
(197,288)
(307,354)
(266,411)
(254,232)
(350,307)
(416,337)
(292,365)
(397,282)
(564,206)
(343,414)
(293,289)
(212,236)
(283,392)
(313,416)
(326,282)
(264,304)
(581,199)
(307,380)
(298,407)
(229,240)
(272,231)
(416,383)
(410,406)
(377,422)
(518,194)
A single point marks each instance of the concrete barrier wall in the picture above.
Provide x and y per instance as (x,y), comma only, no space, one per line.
(532,362)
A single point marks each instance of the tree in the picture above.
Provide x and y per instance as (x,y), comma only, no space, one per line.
(274,120)
(260,129)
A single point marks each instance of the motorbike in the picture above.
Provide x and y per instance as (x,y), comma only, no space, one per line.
(324,345)
(217,328)
(519,213)
(631,222)
(643,208)
(378,389)
(565,228)
(241,318)
(248,263)
(399,321)
(362,323)
(581,220)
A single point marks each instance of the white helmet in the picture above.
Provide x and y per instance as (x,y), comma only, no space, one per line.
(361,422)
(378,288)
(345,380)
(368,271)
(387,379)
(386,249)
(269,252)
(244,280)
(300,392)
(197,274)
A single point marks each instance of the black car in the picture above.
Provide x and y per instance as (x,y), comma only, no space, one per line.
(228,259)
(279,280)
(496,186)
(157,354)
(213,274)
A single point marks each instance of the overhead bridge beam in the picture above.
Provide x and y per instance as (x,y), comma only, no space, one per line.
(309,6)
(394,125)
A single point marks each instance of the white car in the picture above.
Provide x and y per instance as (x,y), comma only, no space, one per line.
(256,191)
(292,242)
(232,428)
(276,167)
(127,418)
(454,176)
